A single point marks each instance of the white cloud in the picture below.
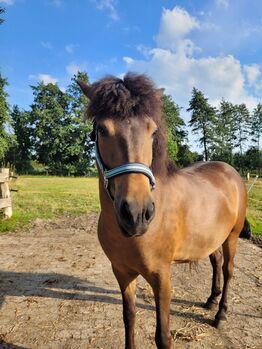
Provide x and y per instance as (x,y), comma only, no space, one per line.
(252,72)
(178,70)
(7,2)
(108,5)
(45,78)
(174,25)
(70,48)
(144,50)
(223,3)
(128,60)
(47,45)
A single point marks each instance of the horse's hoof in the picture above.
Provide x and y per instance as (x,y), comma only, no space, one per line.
(219,323)
(210,305)
(221,315)
(220,319)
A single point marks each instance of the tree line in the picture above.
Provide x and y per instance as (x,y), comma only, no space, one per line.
(229,133)
(51,137)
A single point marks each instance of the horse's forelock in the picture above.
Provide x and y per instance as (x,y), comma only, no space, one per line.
(133,96)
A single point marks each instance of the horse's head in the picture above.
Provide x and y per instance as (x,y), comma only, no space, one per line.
(124,133)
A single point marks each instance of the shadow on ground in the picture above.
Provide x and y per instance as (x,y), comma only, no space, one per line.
(66,287)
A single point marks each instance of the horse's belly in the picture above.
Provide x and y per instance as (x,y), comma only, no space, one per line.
(201,236)
(200,243)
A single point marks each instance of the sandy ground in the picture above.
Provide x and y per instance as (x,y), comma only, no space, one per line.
(57,291)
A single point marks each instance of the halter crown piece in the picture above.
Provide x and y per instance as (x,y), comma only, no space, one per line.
(129,167)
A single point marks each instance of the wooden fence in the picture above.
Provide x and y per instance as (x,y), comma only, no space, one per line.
(5,197)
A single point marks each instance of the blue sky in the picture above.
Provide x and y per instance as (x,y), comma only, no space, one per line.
(214,45)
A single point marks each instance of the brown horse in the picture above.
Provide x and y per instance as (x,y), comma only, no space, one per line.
(189,215)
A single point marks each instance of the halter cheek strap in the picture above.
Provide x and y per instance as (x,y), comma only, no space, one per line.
(130,167)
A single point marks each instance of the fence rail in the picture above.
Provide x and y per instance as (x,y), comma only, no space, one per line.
(5,197)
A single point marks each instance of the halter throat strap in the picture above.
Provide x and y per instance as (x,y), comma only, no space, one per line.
(129,167)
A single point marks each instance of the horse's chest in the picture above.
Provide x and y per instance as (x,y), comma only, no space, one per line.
(137,254)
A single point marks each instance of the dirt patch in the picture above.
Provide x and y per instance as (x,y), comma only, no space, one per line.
(57,291)
(257,240)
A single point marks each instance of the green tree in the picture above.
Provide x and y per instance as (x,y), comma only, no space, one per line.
(250,159)
(176,127)
(4,119)
(48,123)
(20,153)
(59,136)
(241,131)
(186,156)
(256,132)
(202,120)
(77,100)
(82,146)
(224,133)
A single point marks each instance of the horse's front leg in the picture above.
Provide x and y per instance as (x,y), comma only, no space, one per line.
(160,282)
(127,283)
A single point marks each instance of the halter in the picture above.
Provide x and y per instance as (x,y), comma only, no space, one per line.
(129,167)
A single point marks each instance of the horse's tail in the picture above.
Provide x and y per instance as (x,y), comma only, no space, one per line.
(246,231)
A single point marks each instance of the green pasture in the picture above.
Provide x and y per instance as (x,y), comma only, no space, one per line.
(51,197)
(254,212)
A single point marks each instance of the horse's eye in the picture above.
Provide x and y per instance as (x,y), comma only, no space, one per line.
(102,130)
(154,133)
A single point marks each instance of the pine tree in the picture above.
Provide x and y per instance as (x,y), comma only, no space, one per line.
(202,120)
(256,131)
(224,133)
(241,133)
(242,123)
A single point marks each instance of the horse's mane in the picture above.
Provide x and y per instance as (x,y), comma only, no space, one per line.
(133,96)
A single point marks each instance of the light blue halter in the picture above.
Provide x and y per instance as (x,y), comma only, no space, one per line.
(130,167)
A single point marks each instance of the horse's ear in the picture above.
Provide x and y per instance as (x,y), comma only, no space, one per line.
(84,87)
(160,92)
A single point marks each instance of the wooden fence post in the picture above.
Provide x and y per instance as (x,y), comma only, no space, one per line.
(5,197)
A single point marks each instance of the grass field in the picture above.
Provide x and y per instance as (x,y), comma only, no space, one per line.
(254,213)
(51,197)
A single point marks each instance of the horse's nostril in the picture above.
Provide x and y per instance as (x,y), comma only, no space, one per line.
(150,210)
(131,214)
(125,211)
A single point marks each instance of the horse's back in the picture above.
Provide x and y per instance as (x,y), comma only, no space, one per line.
(220,175)
(214,204)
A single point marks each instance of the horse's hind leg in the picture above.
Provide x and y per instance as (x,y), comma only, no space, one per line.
(216,259)
(229,251)
(127,283)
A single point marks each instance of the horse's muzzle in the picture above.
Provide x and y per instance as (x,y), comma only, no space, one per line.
(133,219)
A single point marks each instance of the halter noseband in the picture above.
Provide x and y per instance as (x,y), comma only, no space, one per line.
(129,167)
